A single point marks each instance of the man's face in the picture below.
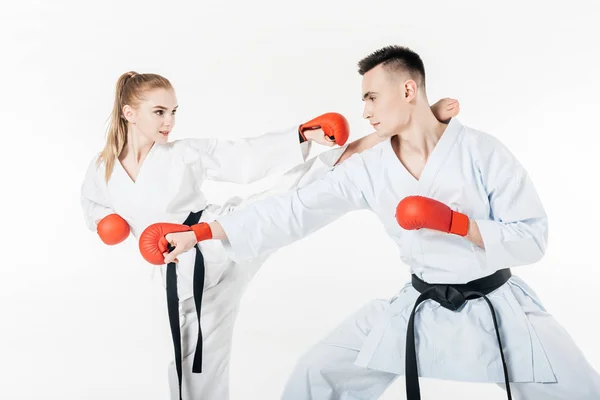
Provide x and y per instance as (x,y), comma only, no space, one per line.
(387,103)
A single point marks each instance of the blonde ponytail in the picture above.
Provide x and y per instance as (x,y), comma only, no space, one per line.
(129,91)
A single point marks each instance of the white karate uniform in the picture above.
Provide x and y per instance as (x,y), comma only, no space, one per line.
(169,187)
(473,173)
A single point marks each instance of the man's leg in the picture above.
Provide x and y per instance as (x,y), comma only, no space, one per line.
(576,379)
(327,371)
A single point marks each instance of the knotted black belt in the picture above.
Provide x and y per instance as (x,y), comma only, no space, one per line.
(173,304)
(452,297)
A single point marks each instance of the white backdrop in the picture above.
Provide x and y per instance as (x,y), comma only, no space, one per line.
(84,321)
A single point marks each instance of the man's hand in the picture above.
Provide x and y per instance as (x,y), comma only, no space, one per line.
(417,212)
(181,242)
(155,240)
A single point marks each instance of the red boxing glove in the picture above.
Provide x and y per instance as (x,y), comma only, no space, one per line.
(416,212)
(333,124)
(153,243)
(113,229)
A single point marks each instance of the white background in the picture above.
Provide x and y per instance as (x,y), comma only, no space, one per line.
(80,320)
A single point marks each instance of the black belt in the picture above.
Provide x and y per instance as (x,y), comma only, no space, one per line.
(451,297)
(173,304)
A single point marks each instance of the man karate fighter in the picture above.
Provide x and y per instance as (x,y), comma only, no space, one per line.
(463,211)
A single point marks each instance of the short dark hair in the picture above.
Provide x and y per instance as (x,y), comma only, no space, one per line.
(394,58)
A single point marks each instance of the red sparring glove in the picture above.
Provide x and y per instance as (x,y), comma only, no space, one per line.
(113,229)
(416,212)
(333,124)
(153,243)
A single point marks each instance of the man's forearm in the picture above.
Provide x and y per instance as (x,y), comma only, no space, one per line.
(217,231)
(474,235)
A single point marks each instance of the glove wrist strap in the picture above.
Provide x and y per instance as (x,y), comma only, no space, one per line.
(460,224)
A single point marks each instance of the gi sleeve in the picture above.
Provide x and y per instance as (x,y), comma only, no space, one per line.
(280,220)
(516,232)
(94,200)
(248,160)
(302,174)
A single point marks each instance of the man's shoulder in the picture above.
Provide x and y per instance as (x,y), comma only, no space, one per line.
(487,149)
(370,156)
(480,140)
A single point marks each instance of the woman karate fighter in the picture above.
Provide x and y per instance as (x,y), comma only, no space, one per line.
(141,178)
(466,212)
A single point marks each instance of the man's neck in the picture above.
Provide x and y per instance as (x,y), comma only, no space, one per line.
(422,133)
